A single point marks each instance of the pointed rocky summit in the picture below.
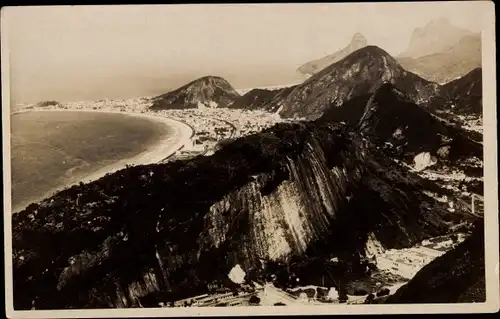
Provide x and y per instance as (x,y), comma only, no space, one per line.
(358,41)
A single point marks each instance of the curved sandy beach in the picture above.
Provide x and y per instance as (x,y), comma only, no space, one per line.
(181,135)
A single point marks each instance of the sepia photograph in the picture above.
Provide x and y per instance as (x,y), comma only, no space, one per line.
(229,159)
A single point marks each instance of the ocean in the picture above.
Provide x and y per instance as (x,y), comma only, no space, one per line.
(51,149)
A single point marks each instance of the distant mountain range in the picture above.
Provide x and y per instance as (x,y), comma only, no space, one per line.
(436,36)
(361,72)
(438,52)
(208,91)
(448,64)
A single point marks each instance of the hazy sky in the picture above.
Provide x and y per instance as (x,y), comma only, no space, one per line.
(76,52)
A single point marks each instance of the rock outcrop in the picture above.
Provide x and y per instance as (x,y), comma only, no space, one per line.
(358,41)
(424,160)
(361,72)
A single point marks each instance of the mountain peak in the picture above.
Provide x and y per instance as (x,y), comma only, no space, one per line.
(211,80)
(435,36)
(361,72)
(359,40)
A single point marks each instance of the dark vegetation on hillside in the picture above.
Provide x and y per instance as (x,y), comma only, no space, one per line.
(402,127)
(254,99)
(142,231)
(262,99)
(456,277)
(462,96)
(47,103)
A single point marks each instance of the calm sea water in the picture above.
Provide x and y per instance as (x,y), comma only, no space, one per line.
(52,149)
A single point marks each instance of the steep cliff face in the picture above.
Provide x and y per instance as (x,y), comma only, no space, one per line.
(208,91)
(448,64)
(457,276)
(358,41)
(293,191)
(359,73)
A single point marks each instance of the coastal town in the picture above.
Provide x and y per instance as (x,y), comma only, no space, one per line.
(210,126)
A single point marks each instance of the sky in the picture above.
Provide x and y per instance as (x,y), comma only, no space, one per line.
(89,52)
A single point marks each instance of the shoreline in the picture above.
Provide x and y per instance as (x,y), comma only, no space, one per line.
(166,146)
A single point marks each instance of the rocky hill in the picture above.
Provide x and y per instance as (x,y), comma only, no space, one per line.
(254,99)
(359,73)
(463,95)
(456,277)
(208,91)
(358,41)
(436,36)
(293,191)
(398,125)
(448,64)
(260,98)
